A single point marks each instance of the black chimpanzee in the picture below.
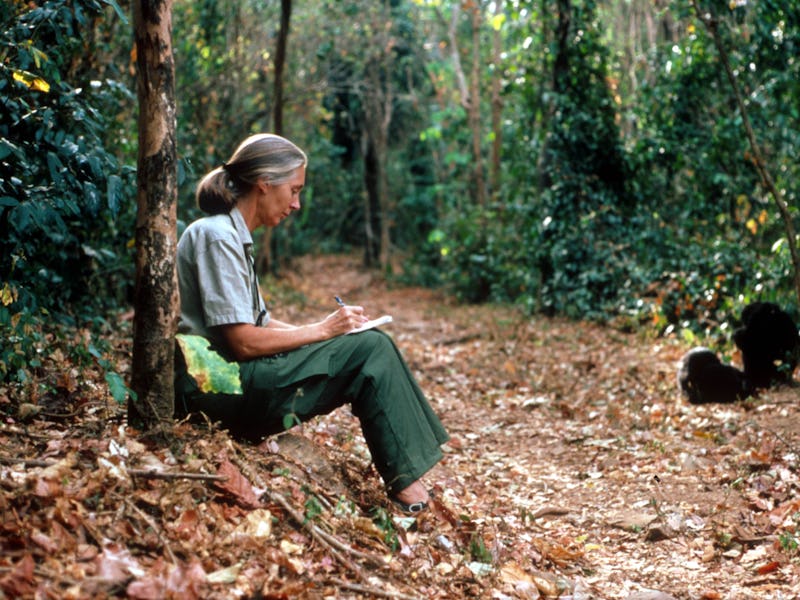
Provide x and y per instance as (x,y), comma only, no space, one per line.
(703,378)
(770,344)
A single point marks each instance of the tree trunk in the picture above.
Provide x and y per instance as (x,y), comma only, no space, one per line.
(371,210)
(497,104)
(264,260)
(474,111)
(377,100)
(561,62)
(156,298)
(280,64)
(378,116)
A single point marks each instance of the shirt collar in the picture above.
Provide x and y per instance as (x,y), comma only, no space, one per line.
(241,227)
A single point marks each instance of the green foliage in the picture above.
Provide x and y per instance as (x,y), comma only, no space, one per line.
(65,202)
(383,521)
(313,507)
(63,196)
(788,542)
(693,166)
(20,339)
(48,362)
(556,240)
(671,228)
(478,551)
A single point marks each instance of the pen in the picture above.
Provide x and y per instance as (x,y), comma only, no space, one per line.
(338,300)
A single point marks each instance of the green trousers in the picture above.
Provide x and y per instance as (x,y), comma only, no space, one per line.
(366,370)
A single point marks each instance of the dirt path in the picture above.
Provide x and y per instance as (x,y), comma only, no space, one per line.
(574,471)
(573,454)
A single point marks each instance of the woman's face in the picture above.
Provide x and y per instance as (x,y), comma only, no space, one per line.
(279,200)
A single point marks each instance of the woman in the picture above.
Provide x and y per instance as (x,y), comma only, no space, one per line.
(291,373)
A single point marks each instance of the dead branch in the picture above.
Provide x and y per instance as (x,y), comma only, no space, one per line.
(144,473)
(153,474)
(455,56)
(373,592)
(153,526)
(326,539)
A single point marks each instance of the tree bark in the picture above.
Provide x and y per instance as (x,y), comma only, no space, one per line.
(497,104)
(371,206)
(469,91)
(280,64)
(561,62)
(264,260)
(474,111)
(156,298)
(378,99)
(378,113)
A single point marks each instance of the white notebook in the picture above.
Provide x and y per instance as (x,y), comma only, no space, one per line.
(372,324)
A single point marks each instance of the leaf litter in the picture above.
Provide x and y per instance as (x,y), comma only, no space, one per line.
(575,471)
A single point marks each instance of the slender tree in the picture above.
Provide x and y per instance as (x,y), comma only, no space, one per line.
(378,97)
(264,259)
(497,99)
(280,64)
(474,107)
(470,91)
(156,299)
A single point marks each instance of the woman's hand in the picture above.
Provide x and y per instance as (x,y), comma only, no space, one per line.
(343,320)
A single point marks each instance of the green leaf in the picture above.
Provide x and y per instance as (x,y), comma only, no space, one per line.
(116,385)
(6,148)
(120,13)
(211,372)
(290,420)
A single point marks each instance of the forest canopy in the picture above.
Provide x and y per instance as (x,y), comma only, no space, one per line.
(573,157)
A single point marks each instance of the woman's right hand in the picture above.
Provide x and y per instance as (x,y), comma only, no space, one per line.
(344,319)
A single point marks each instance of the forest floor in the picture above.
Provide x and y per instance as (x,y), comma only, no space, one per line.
(575,470)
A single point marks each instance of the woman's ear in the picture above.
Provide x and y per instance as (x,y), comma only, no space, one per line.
(263,185)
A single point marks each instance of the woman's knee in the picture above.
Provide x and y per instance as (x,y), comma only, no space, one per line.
(376,341)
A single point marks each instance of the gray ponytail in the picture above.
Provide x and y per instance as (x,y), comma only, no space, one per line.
(263,156)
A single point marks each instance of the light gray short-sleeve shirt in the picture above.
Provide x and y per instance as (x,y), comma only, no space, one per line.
(216,278)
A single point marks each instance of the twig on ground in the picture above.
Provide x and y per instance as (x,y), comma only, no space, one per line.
(371,591)
(145,473)
(153,526)
(152,474)
(323,536)
(319,534)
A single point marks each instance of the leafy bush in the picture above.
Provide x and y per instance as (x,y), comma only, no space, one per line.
(66,210)
(671,230)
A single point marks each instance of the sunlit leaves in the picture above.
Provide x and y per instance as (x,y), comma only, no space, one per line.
(31,81)
(8,294)
(497,21)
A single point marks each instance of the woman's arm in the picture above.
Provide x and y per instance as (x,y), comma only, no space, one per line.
(246,341)
(280,324)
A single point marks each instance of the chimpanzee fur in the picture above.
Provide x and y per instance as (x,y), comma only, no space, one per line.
(703,378)
(770,344)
